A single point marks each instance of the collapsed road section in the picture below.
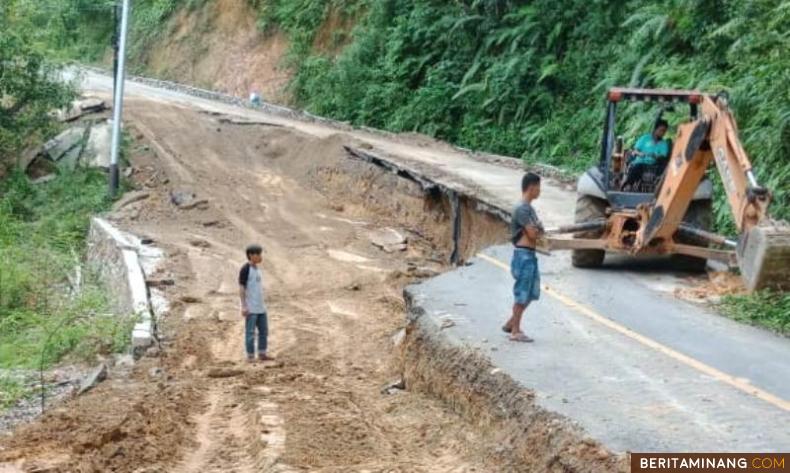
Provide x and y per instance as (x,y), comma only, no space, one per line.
(630,373)
(671,371)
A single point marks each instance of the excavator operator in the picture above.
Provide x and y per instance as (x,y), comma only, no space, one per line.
(650,149)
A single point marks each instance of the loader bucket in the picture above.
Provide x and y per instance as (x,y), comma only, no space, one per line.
(764,257)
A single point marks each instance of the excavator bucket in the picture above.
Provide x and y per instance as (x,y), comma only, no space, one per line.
(764,256)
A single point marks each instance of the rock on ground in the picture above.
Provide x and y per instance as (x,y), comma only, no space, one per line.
(82,107)
(93,379)
(388,239)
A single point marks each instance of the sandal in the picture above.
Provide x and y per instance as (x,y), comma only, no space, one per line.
(521,337)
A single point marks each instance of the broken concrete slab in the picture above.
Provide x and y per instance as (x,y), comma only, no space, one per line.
(82,107)
(95,377)
(388,239)
(97,149)
(71,158)
(69,139)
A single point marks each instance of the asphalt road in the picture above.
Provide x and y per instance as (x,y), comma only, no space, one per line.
(615,350)
(638,369)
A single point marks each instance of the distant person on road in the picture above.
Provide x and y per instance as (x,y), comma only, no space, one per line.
(650,149)
(525,228)
(253,309)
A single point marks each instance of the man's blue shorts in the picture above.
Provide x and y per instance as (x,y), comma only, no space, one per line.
(524,269)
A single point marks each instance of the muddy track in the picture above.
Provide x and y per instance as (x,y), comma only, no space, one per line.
(335,303)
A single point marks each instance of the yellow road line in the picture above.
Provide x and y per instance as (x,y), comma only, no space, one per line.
(737,383)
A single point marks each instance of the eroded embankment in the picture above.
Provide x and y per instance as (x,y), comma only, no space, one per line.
(532,438)
(459,225)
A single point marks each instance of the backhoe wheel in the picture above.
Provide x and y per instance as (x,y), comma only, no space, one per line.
(588,208)
(698,215)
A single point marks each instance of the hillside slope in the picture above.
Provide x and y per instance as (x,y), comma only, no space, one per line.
(216,46)
(518,77)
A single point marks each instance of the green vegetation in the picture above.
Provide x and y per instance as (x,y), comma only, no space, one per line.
(63,28)
(517,77)
(769,309)
(528,78)
(29,89)
(46,311)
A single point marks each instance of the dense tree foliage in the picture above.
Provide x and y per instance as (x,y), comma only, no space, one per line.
(519,77)
(29,88)
(527,78)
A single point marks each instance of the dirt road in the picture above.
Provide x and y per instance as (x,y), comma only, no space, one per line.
(335,305)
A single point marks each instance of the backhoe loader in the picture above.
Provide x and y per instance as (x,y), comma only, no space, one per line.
(668,211)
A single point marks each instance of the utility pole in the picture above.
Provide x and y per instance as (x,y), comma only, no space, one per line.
(116,16)
(118,100)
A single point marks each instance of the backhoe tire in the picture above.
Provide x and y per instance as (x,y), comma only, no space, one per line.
(699,215)
(588,208)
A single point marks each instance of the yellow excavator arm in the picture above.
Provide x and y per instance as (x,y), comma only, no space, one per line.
(763,250)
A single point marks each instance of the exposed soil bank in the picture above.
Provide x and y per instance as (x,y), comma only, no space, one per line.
(532,438)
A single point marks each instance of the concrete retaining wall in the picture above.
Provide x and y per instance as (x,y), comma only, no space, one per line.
(121,260)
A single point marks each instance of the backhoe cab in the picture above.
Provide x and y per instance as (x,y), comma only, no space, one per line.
(668,209)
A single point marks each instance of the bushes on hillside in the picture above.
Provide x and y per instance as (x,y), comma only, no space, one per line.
(29,89)
(527,78)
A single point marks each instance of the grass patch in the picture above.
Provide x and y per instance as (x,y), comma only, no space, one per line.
(47,313)
(11,389)
(766,308)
